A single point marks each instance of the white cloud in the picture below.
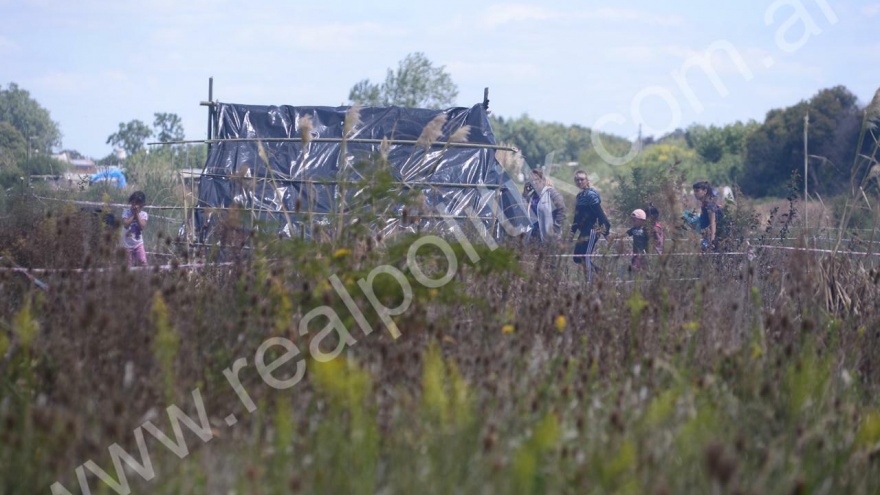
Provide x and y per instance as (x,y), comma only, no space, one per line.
(648,53)
(7,45)
(631,15)
(327,37)
(169,36)
(489,71)
(74,83)
(63,82)
(871,10)
(793,69)
(497,15)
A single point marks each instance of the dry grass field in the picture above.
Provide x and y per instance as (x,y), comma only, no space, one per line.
(424,365)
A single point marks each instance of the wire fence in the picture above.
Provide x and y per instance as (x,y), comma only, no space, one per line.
(613,257)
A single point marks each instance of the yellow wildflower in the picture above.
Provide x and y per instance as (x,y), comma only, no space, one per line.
(560,323)
(691,326)
(869,430)
(757,351)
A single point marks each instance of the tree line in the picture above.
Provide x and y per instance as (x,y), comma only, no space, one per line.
(759,157)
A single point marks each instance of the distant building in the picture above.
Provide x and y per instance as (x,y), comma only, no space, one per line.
(79,166)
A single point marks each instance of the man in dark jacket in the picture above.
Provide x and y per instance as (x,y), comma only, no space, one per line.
(589,223)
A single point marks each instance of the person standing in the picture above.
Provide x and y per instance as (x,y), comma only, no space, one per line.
(134,220)
(657,234)
(710,215)
(589,223)
(641,238)
(639,234)
(549,210)
(531,198)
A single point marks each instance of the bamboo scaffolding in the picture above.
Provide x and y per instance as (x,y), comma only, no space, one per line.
(306,217)
(339,140)
(329,181)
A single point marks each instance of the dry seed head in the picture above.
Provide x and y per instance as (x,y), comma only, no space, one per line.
(352,119)
(305,129)
(385,148)
(432,131)
(461,135)
(261,150)
(872,113)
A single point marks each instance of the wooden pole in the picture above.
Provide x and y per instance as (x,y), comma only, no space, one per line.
(210,111)
(806,165)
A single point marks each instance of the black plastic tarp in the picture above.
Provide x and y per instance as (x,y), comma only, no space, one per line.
(261,164)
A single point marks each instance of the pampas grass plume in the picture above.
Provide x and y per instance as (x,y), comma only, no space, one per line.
(872,113)
(352,119)
(461,135)
(305,129)
(432,131)
(384,148)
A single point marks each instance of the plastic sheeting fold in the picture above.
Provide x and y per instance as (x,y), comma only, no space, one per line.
(260,164)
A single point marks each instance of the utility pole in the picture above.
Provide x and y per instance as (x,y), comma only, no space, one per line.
(28,166)
(806,164)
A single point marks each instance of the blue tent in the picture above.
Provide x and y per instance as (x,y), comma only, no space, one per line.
(115,176)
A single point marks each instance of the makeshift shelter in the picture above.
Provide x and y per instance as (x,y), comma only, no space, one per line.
(298,169)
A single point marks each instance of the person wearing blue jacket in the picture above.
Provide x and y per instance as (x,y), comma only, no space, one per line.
(589,223)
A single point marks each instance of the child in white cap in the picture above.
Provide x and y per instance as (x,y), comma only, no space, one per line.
(639,235)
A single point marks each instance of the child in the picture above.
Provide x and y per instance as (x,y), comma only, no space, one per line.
(657,235)
(639,234)
(134,220)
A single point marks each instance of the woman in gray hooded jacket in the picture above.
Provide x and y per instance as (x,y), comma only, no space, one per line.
(550,211)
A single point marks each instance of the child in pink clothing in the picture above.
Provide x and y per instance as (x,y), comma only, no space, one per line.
(657,234)
(134,220)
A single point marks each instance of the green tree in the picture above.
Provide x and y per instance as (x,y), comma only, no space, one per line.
(708,142)
(540,143)
(43,165)
(29,118)
(776,149)
(657,181)
(415,83)
(168,127)
(130,136)
(721,149)
(13,147)
(366,93)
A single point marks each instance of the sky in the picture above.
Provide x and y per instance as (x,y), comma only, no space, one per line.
(613,66)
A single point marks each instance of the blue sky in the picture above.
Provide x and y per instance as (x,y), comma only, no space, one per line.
(611,65)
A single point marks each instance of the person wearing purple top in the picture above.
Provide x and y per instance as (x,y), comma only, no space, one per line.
(134,220)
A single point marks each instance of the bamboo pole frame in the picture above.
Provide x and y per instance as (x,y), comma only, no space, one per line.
(273,179)
(339,140)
